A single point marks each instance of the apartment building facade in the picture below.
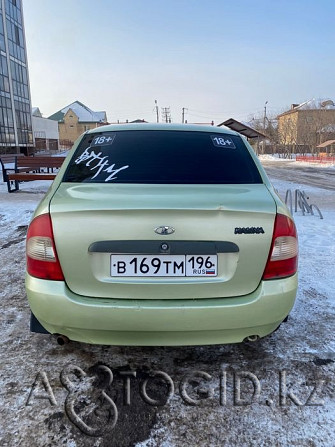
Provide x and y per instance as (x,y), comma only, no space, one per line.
(16,133)
(305,125)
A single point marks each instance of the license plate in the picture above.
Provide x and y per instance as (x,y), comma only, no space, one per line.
(163,265)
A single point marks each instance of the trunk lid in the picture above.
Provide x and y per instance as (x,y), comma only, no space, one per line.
(86,217)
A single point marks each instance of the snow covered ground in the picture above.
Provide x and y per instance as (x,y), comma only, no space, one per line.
(279,391)
(276,157)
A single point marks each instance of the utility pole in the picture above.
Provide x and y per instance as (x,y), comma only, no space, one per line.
(183,115)
(157,114)
(264,119)
(264,122)
(166,114)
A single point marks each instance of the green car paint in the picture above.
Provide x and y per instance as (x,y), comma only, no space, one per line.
(94,307)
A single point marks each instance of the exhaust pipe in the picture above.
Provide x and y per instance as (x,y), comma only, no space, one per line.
(62,340)
(252,338)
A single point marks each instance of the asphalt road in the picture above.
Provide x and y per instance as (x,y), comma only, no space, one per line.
(294,172)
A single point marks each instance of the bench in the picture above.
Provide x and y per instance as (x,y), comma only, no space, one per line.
(5,160)
(33,168)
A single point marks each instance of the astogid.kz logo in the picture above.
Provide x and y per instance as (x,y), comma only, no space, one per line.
(93,400)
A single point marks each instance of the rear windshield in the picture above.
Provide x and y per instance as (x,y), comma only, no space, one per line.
(167,157)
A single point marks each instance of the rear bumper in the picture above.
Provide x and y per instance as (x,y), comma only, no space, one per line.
(160,322)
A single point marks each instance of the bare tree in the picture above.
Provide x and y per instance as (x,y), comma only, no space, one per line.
(267,126)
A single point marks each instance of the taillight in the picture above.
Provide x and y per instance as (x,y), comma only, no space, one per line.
(42,260)
(283,257)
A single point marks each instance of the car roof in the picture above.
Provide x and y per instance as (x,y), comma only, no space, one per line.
(162,126)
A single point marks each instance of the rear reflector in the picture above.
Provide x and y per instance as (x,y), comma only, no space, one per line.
(283,257)
(42,260)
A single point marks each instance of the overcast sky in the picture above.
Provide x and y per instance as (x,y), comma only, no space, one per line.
(217,58)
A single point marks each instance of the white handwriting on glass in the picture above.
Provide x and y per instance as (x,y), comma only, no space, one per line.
(100,163)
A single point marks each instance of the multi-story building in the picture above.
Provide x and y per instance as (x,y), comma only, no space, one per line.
(305,125)
(15,104)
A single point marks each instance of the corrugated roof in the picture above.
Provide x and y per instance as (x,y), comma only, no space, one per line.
(242,128)
(84,113)
(58,116)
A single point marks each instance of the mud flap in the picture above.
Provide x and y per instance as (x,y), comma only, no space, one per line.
(35,325)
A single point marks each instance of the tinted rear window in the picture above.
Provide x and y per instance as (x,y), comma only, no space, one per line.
(175,157)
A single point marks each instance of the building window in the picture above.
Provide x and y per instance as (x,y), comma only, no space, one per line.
(17,35)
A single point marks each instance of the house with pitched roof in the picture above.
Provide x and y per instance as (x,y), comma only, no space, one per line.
(75,119)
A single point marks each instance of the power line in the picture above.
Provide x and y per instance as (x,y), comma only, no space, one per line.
(166,115)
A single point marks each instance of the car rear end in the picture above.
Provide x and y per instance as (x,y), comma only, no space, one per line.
(161,235)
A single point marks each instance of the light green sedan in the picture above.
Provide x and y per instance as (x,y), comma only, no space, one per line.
(161,235)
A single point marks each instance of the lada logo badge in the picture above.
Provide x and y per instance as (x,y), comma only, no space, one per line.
(164,230)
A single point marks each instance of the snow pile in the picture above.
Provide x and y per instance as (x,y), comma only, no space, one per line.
(268,157)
